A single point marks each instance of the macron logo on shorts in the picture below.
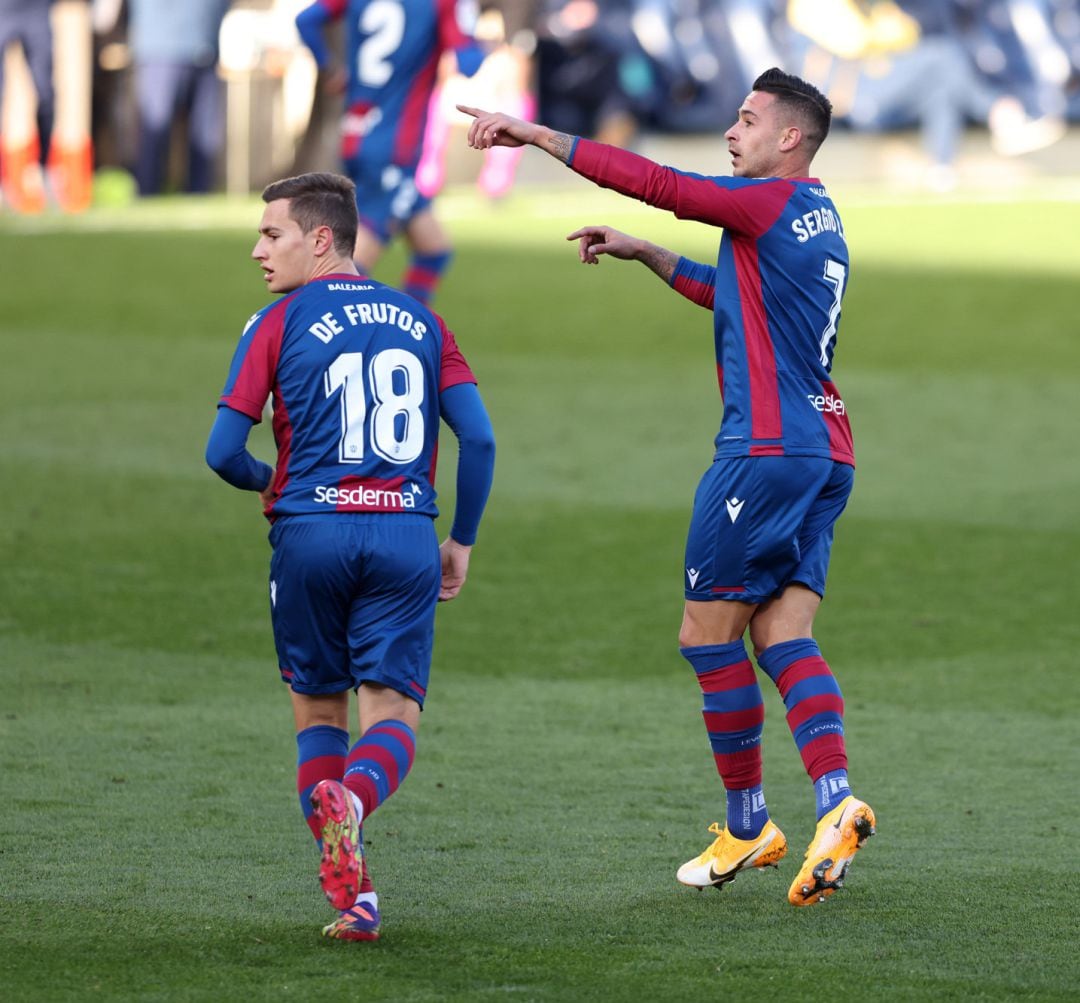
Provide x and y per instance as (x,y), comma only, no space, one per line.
(692,574)
(734,507)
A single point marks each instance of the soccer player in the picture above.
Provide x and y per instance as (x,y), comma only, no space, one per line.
(360,375)
(761,531)
(393,51)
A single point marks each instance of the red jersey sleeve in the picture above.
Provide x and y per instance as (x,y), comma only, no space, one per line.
(254,366)
(454,369)
(746,206)
(455,31)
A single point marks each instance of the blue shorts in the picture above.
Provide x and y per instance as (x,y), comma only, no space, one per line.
(386,196)
(352,600)
(761,523)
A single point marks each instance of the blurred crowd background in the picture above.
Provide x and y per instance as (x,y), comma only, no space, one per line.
(213,95)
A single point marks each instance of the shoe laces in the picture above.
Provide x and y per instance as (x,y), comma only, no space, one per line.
(721,833)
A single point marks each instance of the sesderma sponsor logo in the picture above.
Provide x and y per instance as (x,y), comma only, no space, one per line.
(826,403)
(370,497)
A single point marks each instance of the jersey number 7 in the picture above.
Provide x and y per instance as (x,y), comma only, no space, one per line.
(836,276)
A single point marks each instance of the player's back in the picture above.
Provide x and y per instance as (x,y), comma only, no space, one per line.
(356,397)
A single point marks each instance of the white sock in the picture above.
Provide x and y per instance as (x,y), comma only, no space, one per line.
(368,898)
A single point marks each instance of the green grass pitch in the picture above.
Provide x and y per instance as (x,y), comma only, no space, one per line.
(150,843)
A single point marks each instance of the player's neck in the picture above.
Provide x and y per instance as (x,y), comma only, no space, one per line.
(333,265)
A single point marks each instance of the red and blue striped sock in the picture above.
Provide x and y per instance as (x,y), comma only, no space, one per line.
(321,751)
(734,715)
(379,762)
(424,273)
(815,715)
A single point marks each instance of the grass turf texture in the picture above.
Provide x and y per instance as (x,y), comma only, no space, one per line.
(151,847)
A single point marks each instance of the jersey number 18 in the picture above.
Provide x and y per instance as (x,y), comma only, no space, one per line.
(395,424)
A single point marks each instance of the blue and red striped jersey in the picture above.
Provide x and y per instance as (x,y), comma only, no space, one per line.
(355,369)
(775,293)
(393,50)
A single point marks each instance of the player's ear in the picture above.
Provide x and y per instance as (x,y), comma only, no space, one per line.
(324,239)
(790,138)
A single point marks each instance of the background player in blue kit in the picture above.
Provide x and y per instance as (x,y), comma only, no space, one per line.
(360,375)
(393,49)
(761,531)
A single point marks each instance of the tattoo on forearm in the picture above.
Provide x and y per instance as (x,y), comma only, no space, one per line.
(559,146)
(660,260)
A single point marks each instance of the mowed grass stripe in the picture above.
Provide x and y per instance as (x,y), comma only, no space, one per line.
(575,867)
(145,740)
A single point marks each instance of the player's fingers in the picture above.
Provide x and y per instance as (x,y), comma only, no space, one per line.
(475,112)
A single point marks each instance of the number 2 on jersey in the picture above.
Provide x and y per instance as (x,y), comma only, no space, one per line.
(395,380)
(383,22)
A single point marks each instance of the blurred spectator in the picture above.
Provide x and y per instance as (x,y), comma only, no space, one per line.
(594,78)
(1022,46)
(26,23)
(608,67)
(699,52)
(112,113)
(511,69)
(883,68)
(504,81)
(174,47)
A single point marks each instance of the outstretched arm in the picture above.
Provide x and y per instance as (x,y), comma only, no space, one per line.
(724,202)
(498,129)
(689,278)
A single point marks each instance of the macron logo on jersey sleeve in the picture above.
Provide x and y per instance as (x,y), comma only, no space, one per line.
(252,373)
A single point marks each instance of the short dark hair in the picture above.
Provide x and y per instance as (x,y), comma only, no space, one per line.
(804,99)
(320,199)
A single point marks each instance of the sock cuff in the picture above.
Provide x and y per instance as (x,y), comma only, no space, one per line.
(777,657)
(392,726)
(323,734)
(431,261)
(704,657)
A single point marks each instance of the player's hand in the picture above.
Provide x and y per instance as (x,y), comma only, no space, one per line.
(497,129)
(455,567)
(266,496)
(596,240)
